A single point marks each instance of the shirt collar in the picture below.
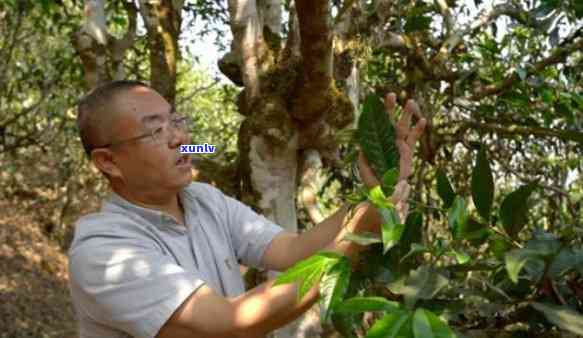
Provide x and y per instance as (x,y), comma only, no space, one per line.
(116,203)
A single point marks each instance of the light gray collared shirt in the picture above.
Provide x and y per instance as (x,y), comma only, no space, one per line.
(131,267)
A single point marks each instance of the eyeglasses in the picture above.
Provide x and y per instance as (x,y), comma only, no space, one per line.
(160,134)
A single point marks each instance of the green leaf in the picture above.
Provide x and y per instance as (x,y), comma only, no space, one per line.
(413,229)
(417,23)
(392,229)
(393,325)
(423,283)
(376,136)
(308,282)
(427,325)
(365,304)
(390,179)
(415,248)
(562,316)
(547,96)
(421,325)
(378,198)
(482,185)
(363,238)
(521,73)
(475,232)
(514,209)
(567,259)
(299,270)
(516,259)
(499,246)
(458,217)
(333,287)
(444,189)
(308,271)
(460,256)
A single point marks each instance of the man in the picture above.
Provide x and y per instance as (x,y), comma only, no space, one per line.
(160,259)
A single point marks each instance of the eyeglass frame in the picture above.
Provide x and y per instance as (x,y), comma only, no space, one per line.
(175,121)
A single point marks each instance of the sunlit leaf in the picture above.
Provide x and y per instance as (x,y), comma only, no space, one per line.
(309,271)
(333,287)
(460,256)
(391,228)
(458,217)
(308,281)
(378,198)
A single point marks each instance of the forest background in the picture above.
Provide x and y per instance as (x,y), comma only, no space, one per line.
(279,86)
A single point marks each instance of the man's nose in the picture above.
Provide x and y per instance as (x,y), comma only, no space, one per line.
(178,136)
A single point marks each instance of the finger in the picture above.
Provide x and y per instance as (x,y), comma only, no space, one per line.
(414,109)
(390,104)
(416,133)
(405,120)
(401,192)
(403,211)
(402,205)
(405,160)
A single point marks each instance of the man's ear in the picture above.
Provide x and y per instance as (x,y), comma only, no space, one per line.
(104,161)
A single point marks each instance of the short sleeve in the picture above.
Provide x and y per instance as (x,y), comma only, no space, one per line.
(251,233)
(128,284)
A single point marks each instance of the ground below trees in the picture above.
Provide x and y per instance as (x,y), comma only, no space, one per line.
(34,296)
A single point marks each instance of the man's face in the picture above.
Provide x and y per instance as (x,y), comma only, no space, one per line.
(146,165)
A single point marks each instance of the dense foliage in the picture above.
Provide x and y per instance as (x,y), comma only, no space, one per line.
(491,267)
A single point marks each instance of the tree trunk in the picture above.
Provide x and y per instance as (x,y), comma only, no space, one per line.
(291,104)
(101,54)
(162,19)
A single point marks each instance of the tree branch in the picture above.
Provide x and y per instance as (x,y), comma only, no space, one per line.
(558,55)
(508,9)
(197,91)
(317,56)
(162,20)
(565,135)
(248,44)
(118,47)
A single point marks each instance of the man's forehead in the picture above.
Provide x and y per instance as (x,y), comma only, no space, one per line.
(143,105)
(153,117)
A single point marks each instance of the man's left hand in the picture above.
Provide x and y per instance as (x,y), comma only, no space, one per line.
(405,139)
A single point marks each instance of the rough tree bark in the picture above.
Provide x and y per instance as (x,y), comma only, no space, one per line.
(101,53)
(291,104)
(162,19)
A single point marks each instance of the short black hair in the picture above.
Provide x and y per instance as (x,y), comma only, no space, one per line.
(96,112)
